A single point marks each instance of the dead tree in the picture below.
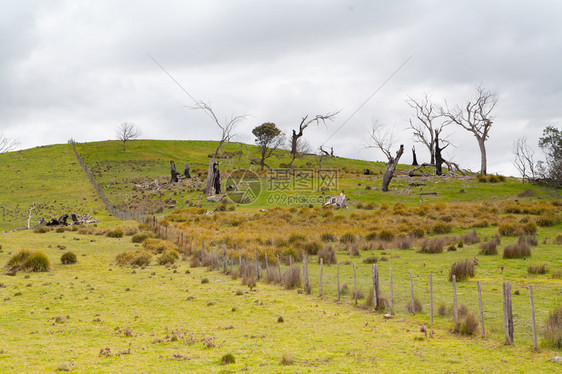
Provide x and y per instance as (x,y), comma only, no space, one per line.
(524,159)
(438,157)
(414,158)
(227,127)
(427,114)
(305,122)
(7,144)
(475,117)
(186,171)
(127,131)
(383,141)
(174,173)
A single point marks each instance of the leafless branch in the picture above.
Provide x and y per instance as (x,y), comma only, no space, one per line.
(524,159)
(127,131)
(7,144)
(382,139)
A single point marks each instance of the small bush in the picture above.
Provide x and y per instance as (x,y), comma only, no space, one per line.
(417,232)
(469,324)
(272,275)
(517,250)
(344,289)
(371,260)
(462,270)
(442,310)
(382,303)
(386,235)
(558,239)
(168,257)
(204,280)
(41,229)
(404,243)
(415,307)
(557,274)
(348,238)
(530,228)
(529,239)
(68,258)
(489,248)
(509,229)
(371,236)
(353,250)
(292,277)
(195,263)
(328,237)
(139,258)
(552,331)
(328,255)
(228,359)
(360,294)
(441,228)
(115,233)
(537,269)
(548,219)
(312,248)
(434,245)
(31,261)
(140,237)
(287,359)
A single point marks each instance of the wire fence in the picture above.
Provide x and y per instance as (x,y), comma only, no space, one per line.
(120,213)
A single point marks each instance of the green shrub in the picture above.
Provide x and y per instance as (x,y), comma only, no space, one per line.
(228,359)
(462,270)
(68,258)
(139,258)
(509,229)
(386,235)
(371,260)
(441,228)
(168,257)
(312,248)
(287,359)
(115,233)
(371,236)
(140,237)
(328,237)
(548,219)
(552,331)
(348,238)
(417,232)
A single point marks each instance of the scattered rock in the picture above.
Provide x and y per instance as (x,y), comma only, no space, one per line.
(556,359)
(388,316)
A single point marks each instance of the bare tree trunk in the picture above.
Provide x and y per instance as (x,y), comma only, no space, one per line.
(391,166)
(186,171)
(483,162)
(415,161)
(173,172)
(210,187)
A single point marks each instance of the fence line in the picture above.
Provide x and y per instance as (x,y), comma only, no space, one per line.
(219,259)
(122,214)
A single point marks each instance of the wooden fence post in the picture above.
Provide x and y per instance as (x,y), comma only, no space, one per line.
(412,293)
(355,282)
(391,292)
(535,345)
(430,299)
(321,271)
(376,295)
(266,267)
(338,276)
(202,250)
(231,260)
(239,262)
(225,258)
(481,310)
(257,260)
(507,313)
(455,309)
(279,269)
(305,273)
(291,262)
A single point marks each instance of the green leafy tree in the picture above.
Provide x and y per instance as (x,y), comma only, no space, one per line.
(551,144)
(268,138)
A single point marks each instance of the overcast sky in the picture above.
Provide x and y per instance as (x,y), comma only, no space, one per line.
(77,69)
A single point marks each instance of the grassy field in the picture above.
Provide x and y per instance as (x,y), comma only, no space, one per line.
(96,317)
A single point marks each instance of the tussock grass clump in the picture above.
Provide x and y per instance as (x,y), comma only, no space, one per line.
(287,359)
(194,263)
(138,258)
(557,274)
(344,289)
(158,245)
(415,307)
(115,233)
(41,229)
(517,250)
(386,235)
(469,324)
(434,245)
(371,260)
(442,310)
(382,303)
(552,330)
(353,250)
(470,238)
(548,219)
(529,239)
(489,248)
(328,255)
(30,261)
(68,258)
(272,275)
(292,277)
(360,294)
(462,270)
(403,242)
(509,228)
(537,269)
(312,248)
(228,359)
(558,239)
